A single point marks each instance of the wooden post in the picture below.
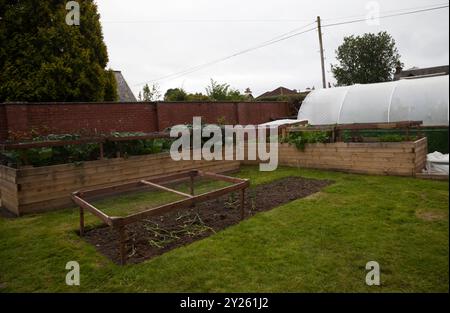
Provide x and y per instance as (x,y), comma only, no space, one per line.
(193,206)
(81,222)
(102,156)
(242,204)
(123,256)
(322,57)
(192,185)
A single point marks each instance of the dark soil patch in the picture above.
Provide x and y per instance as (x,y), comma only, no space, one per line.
(155,236)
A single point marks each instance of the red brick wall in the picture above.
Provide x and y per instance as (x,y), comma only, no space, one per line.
(59,118)
(261,112)
(92,118)
(175,113)
(3,123)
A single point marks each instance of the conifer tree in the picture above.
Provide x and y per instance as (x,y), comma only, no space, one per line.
(42,58)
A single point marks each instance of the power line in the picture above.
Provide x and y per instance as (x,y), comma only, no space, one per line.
(293,33)
(241,20)
(283,37)
(207,21)
(390,11)
(387,16)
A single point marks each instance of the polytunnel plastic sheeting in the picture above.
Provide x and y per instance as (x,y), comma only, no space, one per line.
(370,101)
(424,99)
(322,107)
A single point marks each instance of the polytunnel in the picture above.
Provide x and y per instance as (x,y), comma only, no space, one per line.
(421,99)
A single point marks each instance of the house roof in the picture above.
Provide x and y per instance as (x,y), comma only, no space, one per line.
(415,71)
(280,91)
(123,90)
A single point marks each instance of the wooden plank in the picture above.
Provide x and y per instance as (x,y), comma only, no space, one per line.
(86,206)
(102,168)
(180,204)
(50,143)
(8,173)
(39,201)
(81,181)
(157,135)
(60,143)
(220,177)
(90,164)
(165,189)
(124,171)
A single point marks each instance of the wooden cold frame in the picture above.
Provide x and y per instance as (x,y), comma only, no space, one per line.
(119,223)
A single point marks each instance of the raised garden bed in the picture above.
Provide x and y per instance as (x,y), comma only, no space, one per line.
(190,200)
(31,190)
(156,235)
(376,158)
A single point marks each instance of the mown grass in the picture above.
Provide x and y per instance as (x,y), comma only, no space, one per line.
(317,244)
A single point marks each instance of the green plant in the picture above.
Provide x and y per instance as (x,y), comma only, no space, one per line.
(81,153)
(396,138)
(150,93)
(300,139)
(223,92)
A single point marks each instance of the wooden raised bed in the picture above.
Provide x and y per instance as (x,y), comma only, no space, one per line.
(31,190)
(378,158)
(119,223)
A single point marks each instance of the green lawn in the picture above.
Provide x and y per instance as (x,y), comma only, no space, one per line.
(317,244)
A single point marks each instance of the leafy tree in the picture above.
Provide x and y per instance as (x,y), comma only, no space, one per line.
(199,97)
(371,58)
(44,59)
(223,92)
(150,94)
(176,94)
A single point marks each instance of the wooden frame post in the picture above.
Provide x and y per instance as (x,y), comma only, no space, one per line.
(81,222)
(242,200)
(122,245)
(192,185)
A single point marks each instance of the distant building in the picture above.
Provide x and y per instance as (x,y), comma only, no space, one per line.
(416,72)
(280,91)
(123,90)
(248,94)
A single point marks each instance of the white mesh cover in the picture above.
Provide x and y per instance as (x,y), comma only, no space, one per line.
(423,99)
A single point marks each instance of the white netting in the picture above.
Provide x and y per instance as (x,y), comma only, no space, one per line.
(424,99)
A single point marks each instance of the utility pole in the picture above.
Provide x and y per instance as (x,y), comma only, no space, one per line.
(322,57)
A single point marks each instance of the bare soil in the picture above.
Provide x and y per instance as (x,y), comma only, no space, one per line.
(154,236)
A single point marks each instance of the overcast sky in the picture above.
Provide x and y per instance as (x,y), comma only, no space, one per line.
(148,40)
